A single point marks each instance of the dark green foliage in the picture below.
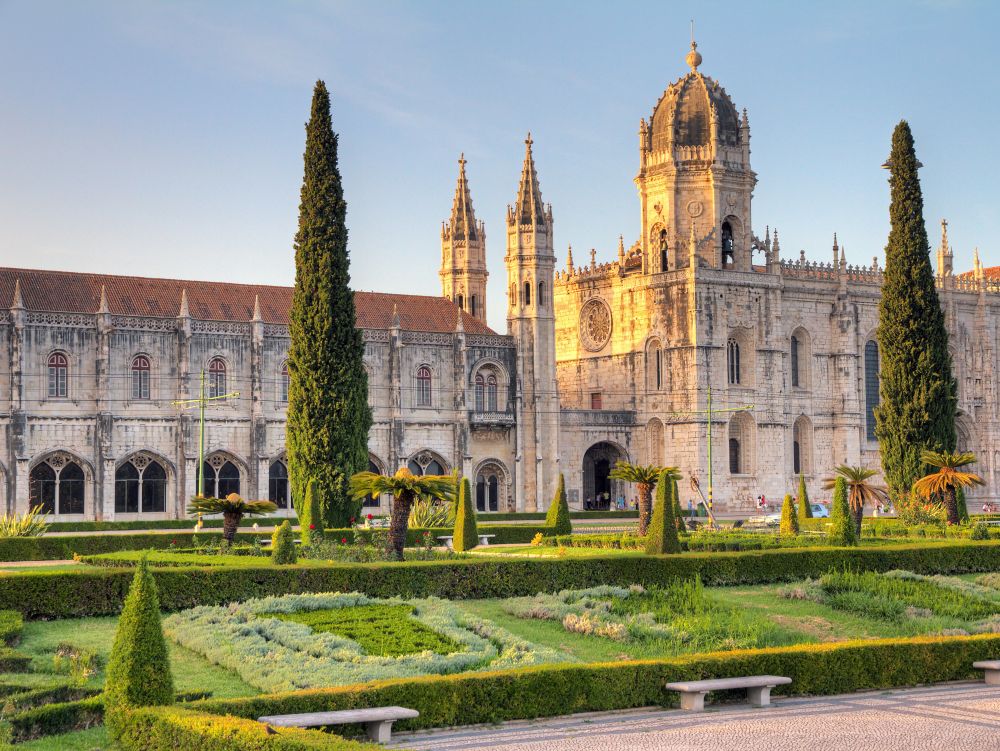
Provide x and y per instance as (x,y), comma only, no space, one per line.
(980,532)
(802,501)
(64,548)
(963,506)
(283,545)
(918,593)
(662,534)
(917,390)
(11,625)
(678,511)
(138,672)
(385,630)
(466,536)
(789,519)
(328,413)
(842,527)
(53,719)
(557,518)
(311,515)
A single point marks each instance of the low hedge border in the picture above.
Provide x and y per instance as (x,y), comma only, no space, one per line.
(70,594)
(52,719)
(474,698)
(12,661)
(11,626)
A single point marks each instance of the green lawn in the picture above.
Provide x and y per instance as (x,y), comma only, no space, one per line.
(95,739)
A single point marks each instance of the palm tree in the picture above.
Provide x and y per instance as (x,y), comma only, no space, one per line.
(405,488)
(948,478)
(233,509)
(859,490)
(645,478)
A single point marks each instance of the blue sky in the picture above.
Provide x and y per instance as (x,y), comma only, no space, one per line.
(165,139)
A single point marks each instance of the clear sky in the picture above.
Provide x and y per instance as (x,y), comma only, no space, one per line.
(165,139)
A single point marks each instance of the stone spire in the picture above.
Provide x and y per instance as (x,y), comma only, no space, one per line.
(17,303)
(776,246)
(977,266)
(836,250)
(463,218)
(102,304)
(184,312)
(621,250)
(256,309)
(569,261)
(945,256)
(529,208)
(395,316)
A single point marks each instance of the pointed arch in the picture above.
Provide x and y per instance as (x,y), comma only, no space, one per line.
(802,446)
(742,435)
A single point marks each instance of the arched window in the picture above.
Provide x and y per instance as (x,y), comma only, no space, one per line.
(513,295)
(433,467)
(795,364)
(140,486)
(871,388)
(734,456)
(220,477)
(733,361)
(423,386)
(659,368)
(491,393)
(527,293)
(277,484)
(58,375)
(541,294)
(728,255)
(372,501)
(480,393)
(663,250)
(461,301)
(741,444)
(490,484)
(140,377)
(216,377)
(472,305)
(57,485)
(802,446)
(283,383)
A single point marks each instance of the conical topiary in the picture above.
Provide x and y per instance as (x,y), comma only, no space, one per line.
(661,537)
(789,519)
(678,511)
(138,672)
(466,535)
(842,529)
(802,504)
(311,517)
(283,545)
(558,515)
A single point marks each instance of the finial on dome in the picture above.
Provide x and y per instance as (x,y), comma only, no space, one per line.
(693,58)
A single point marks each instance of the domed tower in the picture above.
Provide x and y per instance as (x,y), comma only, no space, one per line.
(695,173)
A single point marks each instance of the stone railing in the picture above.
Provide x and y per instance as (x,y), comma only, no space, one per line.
(499,419)
(597,417)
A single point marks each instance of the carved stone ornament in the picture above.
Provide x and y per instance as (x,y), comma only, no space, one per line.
(731,199)
(695,208)
(595,324)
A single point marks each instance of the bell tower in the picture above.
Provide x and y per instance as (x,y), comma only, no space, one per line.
(463,252)
(694,172)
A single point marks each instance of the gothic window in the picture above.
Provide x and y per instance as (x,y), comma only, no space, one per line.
(728,255)
(220,477)
(140,486)
(216,377)
(480,393)
(659,369)
(57,485)
(795,364)
(472,305)
(733,361)
(488,484)
(527,293)
(802,446)
(663,250)
(425,463)
(491,393)
(734,456)
(871,388)
(541,294)
(371,501)
(283,383)
(741,444)
(58,375)
(424,386)
(140,377)
(461,301)
(277,484)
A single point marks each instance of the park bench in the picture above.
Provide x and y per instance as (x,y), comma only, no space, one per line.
(449,540)
(992,669)
(758,689)
(485,539)
(377,721)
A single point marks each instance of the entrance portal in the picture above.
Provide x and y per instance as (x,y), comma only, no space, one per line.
(600,492)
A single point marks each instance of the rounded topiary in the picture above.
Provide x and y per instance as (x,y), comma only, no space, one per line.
(802,504)
(789,519)
(842,528)
(466,535)
(311,518)
(138,672)
(558,514)
(283,545)
(662,534)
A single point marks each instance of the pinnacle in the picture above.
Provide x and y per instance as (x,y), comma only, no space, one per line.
(529,208)
(463,218)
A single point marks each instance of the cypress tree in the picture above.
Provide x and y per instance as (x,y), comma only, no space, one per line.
(802,501)
(558,513)
(661,537)
(311,516)
(842,529)
(328,413)
(917,394)
(466,534)
(789,519)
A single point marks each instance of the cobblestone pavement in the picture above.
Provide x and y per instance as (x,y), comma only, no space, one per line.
(953,716)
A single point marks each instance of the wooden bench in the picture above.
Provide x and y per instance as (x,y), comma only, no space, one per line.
(758,689)
(377,721)
(992,668)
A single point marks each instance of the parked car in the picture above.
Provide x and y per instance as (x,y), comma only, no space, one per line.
(820,511)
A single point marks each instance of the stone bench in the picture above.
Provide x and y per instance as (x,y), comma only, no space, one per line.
(377,721)
(485,539)
(449,540)
(758,689)
(992,668)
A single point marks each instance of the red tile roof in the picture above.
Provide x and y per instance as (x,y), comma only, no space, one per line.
(990,272)
(72,292)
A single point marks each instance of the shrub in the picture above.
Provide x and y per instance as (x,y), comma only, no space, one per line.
(842,530)
(80,664)
(138,671)
(11,625)
(283,544)
(980,532)
(662,534)
(802,503)
(557,517)
(466,536)
(311,518)
(29,524)
(53,719)
(789,519)
(678,511)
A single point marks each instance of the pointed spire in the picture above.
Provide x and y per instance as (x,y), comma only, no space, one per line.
(776,246)
(569,260)
(102,305)
(184,312)
(621,250)
(395,316)
(836,250)
(256,309)
(17,303)
(529,208)
(944,235)
(843,257)
(977,265)
(463,218)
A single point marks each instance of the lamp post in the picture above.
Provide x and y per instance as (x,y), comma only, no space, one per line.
(200,403)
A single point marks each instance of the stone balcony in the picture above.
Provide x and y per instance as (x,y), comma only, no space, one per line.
(491,419)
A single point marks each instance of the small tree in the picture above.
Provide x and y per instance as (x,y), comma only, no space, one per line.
(283,545)
(802,504)
(138,672)
(644,477)
(948,478)
(859,491)
(558,514)
(233,509)
(842,531)
(466,535)
(789,519)
(311,515)
(662,535)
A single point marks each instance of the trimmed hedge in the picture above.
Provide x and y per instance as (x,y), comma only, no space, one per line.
(12,661)
(176,729)
(68,594)
(53,719)
(11,626)
(545,691)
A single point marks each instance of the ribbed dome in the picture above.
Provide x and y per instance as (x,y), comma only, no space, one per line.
(684,111)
